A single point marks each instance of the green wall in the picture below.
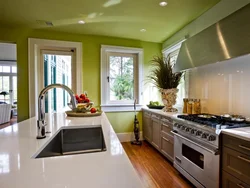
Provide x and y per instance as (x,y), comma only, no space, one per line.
(91,65)
(124,121)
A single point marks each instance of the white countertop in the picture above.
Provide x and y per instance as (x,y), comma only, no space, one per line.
(242,133)
(18,144)
(160,112)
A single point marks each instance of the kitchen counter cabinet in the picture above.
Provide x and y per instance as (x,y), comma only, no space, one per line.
(235,162)
(147,126)
(157,127)
(167,138)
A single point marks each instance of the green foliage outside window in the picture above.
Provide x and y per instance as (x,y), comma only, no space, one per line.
(122,78)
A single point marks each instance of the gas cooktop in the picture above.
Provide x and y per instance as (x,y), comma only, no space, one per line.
(214,121)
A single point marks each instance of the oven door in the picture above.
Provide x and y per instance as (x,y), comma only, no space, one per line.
(196,162)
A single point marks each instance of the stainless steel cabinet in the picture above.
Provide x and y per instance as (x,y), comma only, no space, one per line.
(157,131)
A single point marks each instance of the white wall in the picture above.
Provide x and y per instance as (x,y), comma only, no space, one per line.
(223,87)
(7,51)
(213,15)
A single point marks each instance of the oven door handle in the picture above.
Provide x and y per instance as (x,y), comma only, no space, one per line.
(214,152)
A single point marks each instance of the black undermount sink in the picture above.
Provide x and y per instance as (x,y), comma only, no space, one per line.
(70,141)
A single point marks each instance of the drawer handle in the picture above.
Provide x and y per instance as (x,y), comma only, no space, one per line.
(165,120)
(165,125)
(164,132)
(165,139)
(156,117)
(244,159)
(244,147)
(239,185)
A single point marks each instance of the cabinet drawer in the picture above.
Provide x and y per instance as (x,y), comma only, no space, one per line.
(236,144)
(146,113)
(156,117)
(166,128)
(167,146)
(167,120)
(237,164)
(229,181)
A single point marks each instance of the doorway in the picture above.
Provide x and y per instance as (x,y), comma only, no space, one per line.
(36,84)
(8,78)
(57,69)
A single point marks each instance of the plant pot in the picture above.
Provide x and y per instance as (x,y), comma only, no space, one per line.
(169,99)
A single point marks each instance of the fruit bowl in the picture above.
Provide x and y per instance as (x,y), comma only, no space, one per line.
(83,106)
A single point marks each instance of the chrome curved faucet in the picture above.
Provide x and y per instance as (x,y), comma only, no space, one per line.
(41,112)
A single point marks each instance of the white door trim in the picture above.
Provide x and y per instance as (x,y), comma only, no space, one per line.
(34,58)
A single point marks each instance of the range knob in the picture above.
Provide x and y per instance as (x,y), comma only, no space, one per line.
(198,133)
(211,138)
(204,135)
(193,131)
(187,129)
(183,127)
(178,126)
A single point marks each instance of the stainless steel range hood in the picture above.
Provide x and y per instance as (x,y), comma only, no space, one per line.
(224,40)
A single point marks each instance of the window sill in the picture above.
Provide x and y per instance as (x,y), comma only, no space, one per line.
(120,107)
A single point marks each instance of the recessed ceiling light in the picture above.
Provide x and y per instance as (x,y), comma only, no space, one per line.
(81,22)
(163,3)
(143,30)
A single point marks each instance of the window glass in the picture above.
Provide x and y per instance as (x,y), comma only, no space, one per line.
(1,68)
(121,78)
(6,83)
(6,69)
(14,88)
(14,69)
(4,86)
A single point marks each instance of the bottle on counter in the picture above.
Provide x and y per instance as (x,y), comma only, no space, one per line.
(190,106)
(185,104)
(196,106)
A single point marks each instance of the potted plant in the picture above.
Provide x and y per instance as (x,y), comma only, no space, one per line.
(166,80)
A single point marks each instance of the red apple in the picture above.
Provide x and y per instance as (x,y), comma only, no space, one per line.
(83,96)
(93,110)
(86,100)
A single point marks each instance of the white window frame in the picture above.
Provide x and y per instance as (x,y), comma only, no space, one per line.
(10,75)
(173,49)
(35,86)
(105,104)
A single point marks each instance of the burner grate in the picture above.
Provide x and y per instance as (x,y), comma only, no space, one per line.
(214,121)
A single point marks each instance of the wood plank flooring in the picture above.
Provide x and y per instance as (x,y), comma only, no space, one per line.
(153,168)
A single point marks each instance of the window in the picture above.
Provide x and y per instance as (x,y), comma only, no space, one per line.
(121,78)
(172,53)
(8,82)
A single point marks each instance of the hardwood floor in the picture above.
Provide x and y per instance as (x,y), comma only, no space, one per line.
(153,168)
(12,121)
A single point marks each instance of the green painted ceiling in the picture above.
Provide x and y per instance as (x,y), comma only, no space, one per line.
(118,18)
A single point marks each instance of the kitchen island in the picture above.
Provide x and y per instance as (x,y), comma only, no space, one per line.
(19,168)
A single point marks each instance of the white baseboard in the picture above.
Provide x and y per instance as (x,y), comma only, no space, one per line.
(127,137)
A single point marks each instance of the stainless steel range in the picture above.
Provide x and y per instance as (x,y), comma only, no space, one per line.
(196,147)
